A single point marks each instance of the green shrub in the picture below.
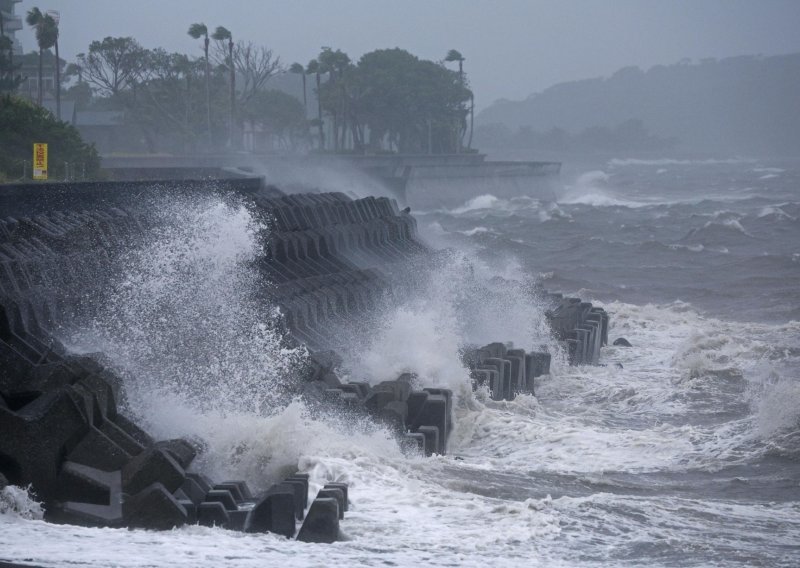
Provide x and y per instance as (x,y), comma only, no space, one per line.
(22,123)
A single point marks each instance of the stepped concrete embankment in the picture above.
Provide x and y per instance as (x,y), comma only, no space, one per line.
(329,260)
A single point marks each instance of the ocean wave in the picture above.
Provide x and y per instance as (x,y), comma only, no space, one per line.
(719,233)
(593,188)
(621,162)
(485,201)
(477,231)
(775,212)
(552,212)
(721,214)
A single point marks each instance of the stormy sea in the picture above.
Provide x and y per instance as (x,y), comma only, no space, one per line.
(680,450)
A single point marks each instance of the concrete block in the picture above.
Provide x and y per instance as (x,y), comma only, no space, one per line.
(322,522)
(152,466)
(181,451)
(222,496)
(334,493)
(345,491)
(193,490)
(274,512)
(431,434)
(98,451)
(212,514)
(153,508)
(35,438)
(244,491)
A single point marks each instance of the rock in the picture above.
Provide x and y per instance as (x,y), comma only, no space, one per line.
(322,522)
(622,342)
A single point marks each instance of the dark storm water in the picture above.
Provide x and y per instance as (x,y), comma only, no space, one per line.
(683,450)
(698,263)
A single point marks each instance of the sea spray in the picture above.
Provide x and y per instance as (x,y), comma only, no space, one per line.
(460,302)
(19,502)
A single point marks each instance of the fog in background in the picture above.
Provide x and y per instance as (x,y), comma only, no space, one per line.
(512,47)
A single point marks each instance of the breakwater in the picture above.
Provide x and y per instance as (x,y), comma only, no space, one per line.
(327,260)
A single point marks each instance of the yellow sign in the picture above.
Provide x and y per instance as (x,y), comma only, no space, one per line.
(39,161)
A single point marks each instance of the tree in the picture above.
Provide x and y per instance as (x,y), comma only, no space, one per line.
(54,15)
(166,104)
(46,37)
(113,64)
(415,105)
(313,68)
(333,94)
(221,34)
(9,80)
(280,115)
(23,123)
(454,55)
(298,69)
(197,31)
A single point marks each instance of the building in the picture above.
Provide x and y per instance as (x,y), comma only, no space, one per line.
(12,23)
(30,74)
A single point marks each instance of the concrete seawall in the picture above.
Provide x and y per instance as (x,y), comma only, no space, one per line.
(329,260)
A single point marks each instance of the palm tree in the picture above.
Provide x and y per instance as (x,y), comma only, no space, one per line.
(298,69)
(197,31)
(455,55)
(313,67)
(46,37)
(55,17)
(221,34)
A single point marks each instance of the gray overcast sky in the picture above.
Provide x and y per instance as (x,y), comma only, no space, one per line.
(512,47)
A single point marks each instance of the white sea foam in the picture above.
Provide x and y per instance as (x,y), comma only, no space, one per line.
(621,162)
(477,231)
(594,188)
(775,212)
(17,502)
(588,423)
(463,302)
(486,201)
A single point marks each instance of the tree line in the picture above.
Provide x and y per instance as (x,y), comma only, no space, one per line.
(388,101)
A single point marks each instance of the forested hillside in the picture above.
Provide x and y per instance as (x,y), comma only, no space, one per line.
(739,104)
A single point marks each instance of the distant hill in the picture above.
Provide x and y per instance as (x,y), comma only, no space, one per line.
(747,104)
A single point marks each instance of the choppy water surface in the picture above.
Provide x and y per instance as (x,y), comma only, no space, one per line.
(687,455)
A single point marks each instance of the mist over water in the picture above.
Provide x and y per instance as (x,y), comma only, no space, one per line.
(683,450)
